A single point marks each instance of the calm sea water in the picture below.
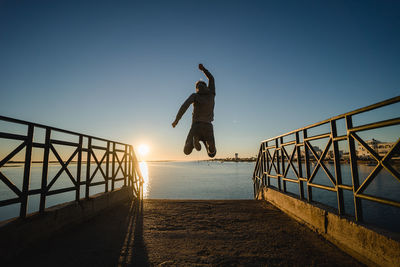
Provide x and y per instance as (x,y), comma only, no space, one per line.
(214,180)
(199,180)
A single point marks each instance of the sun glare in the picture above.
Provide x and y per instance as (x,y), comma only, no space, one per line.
(143,149)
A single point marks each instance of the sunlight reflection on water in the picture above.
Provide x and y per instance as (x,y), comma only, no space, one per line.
(144,169)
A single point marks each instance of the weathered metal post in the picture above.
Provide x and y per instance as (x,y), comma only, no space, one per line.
(43,188)
(79,170)
(107,165)
(338,173)
(113,174)
(307,165)
(27,172)
(354,171)
(125,165)
(89,154)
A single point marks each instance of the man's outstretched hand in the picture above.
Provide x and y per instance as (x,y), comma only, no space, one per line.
(174,123)
(201,67)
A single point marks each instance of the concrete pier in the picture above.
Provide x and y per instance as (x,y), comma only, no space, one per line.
(187,233)
(370,246)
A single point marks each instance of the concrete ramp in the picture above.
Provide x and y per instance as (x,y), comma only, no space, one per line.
(187,233)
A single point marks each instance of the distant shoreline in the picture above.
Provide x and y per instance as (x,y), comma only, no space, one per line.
(234,160)
(370,162)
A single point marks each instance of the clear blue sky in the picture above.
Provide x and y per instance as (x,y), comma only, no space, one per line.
(121,69)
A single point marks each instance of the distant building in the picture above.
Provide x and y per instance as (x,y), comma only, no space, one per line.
(330,154)
(382,148)
(236,156)
(317,151)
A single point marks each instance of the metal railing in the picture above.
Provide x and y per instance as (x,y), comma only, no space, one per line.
(111,160)
(274,160)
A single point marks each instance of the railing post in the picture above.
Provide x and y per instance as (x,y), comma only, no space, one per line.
(268,179)
(130,166)
(107,165)
(113,168)
(262,165)
(298,152)
(257,171)
(133,167)
(125,165)
(338,173)
(278,174)
(43,189)
(89,154)
(307,165)
(283,164)
(27,172)
(79,170)
(354,171)
(264,161)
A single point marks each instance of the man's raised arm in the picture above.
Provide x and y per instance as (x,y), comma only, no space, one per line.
(183,109)
(211,82)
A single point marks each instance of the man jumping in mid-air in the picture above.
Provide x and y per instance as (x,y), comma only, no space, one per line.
(203,115)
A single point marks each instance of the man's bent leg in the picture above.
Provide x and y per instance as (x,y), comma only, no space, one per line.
(196,142)
(210,141)
(189,143)
(211,150)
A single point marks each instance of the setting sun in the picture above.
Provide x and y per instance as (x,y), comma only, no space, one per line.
(143,149)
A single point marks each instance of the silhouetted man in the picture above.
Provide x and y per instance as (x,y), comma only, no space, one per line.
(203,115)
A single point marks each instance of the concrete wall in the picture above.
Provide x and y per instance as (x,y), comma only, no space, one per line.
(366,245)
(16,234)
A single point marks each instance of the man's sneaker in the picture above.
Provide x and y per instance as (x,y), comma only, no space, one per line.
(196,143)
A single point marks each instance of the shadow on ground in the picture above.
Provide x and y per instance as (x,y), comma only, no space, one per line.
(134,251)
(113,238)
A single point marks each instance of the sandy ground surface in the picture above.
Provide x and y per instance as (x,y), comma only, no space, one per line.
(187,233)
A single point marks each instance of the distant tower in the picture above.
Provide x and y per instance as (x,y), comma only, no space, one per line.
(236,156)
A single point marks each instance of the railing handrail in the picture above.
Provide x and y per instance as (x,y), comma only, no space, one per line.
(126,164)
(341,116)
(274,160)
(4,118)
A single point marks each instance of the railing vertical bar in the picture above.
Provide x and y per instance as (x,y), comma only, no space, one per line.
(262,165)
(130,166)
(298,153)
(27,172)
(354,171)
(107,165)
(89,155)
(268,164)
(277,164)
(113,168)
(283,164)
(265,166)
(338,173)
(307,165)
(135,174)
(257,171)
(45,168)
(125,165)
(133,167)
(79,170)
(257,161)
